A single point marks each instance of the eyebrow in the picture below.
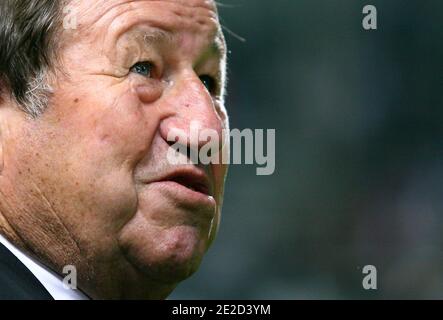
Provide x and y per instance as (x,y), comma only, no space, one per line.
(157,35)
(216,48)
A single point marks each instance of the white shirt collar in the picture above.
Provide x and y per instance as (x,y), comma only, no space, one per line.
(52,282)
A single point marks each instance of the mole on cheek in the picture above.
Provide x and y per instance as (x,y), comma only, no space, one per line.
(76,100)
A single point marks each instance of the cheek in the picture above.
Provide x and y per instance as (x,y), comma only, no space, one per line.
(220,169)
(124,135)
(97,142)
(129,124)
(115,131)
(219,172)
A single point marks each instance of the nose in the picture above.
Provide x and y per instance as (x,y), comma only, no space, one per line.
(194,118)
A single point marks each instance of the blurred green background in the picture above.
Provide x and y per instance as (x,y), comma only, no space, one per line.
(359,153)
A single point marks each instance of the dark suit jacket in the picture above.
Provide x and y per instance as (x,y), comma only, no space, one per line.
(16,281)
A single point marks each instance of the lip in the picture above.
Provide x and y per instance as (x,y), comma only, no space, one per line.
(187,197)
(191,186)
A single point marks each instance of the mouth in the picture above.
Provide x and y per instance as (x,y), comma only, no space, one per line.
(192,181)
(191,186)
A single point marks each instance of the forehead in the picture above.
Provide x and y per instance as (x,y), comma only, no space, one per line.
(116,17)
(99,7)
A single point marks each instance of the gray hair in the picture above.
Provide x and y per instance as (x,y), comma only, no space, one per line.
(27,51)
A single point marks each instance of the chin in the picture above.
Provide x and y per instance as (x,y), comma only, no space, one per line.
(166,256)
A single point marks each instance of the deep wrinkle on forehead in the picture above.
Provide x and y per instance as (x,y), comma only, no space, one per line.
(160,25)
(174,16)
(91,13)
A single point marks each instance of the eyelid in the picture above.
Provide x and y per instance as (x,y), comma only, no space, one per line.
(141,62)
(217,82)
(215,72)
(214,90)
(154,73)
(151,56)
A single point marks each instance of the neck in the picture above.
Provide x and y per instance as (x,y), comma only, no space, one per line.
(9,233)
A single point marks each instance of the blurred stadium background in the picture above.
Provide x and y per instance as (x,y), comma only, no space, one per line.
(359,153)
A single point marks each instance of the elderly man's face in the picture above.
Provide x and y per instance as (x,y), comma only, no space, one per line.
(93,171)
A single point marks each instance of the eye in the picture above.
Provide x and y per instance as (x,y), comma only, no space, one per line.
(143,68)
(209,82)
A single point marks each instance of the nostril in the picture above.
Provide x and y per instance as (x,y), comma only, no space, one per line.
(171,142)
